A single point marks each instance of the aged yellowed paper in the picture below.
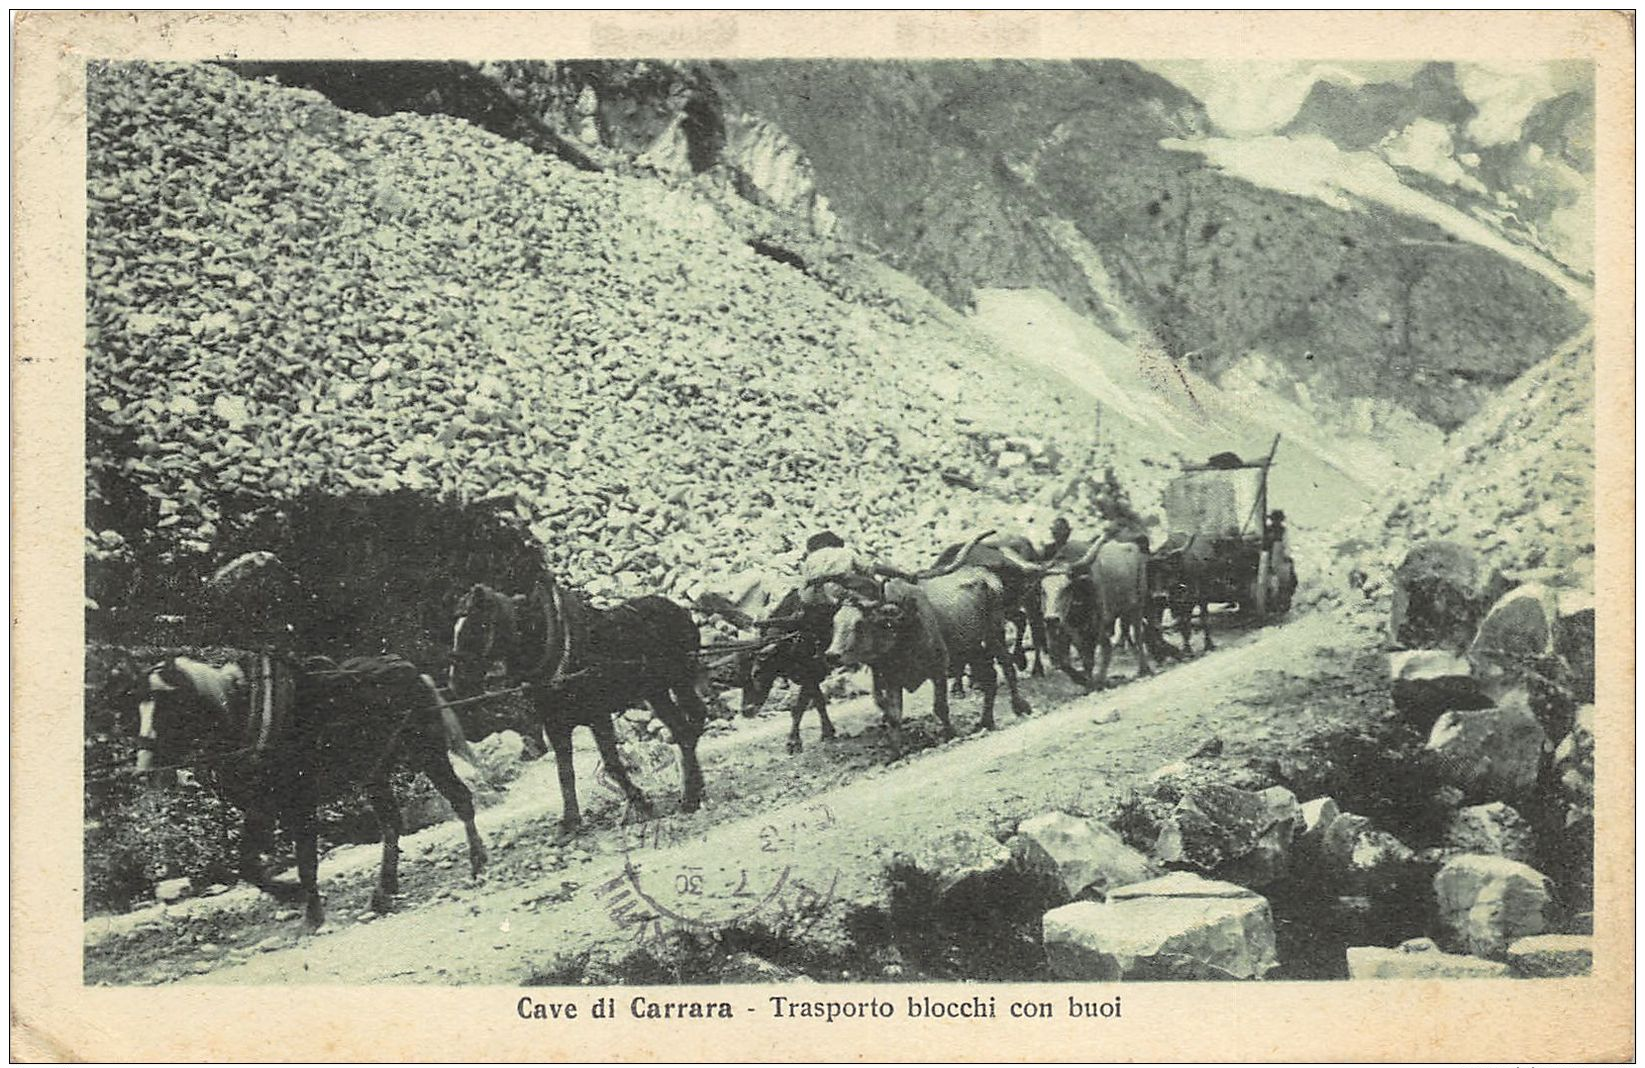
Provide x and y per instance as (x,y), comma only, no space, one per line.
(432,344)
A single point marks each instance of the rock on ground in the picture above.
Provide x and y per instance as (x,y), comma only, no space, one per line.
(1356,859)
(1490,753)
(1084,858)
(1574,763)
(1428,682)
(1550,955)
(1180,926)
(1495,829)
(1519,629)
(1419,958)
(1441,591)
(1339,837)
(1317,817)
(1377,863)
(1486,903)
(502,754)
(749,968)
(961,864)
(1240,835)
(169,890)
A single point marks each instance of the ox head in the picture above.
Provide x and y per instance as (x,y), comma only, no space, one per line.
(799,631)
(179,701)
(481,633)
(1064,594)
(866,630)
(1069,600)
(759,671)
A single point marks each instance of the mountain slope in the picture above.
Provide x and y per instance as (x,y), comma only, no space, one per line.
(1088,180)
(1360,117)
(285,297)
(1084,179)
(1532,184)
(1516,484)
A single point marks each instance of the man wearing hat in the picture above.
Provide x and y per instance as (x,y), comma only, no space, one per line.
(828,559)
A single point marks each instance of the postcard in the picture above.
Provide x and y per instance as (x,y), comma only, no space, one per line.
(756,535)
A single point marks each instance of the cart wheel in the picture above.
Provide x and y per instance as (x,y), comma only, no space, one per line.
(1257,597)
(1285,585)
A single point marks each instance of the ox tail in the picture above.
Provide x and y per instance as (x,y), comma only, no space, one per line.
(452,728)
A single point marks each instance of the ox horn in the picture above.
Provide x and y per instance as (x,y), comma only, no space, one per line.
(1020,562)
(958,561)
(1090,556)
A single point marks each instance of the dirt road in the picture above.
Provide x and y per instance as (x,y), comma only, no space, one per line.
(795,845)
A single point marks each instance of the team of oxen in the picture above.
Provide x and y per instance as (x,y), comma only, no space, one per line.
(949,622)
(280,738)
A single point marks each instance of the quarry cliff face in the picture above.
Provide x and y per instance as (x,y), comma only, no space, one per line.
(1531,183)
(1054,176)
(1097,181)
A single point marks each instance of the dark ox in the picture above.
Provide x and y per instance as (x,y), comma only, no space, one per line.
(1105,586)
(583,665)
(799,632)
(1070,608)
(276,742)
(928,630)
(1177,577)
(1015,560)
(794,631)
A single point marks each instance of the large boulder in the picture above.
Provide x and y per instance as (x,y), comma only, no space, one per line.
(1081,858)
(960,867)
(1180,926)
(1428,682)
(1489,753)
(1486,903)
(1494,830)
(1356,859)
(1441,592)
(1243,836)
(1317,817)
(1551,955)
(1519,630)
(1419,958)
(1576,641)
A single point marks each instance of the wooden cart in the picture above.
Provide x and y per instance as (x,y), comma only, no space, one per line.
(1225,502)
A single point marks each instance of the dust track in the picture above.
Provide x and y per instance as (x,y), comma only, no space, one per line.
(797,843)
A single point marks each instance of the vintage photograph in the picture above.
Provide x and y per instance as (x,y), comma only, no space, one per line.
(565,522)
(632,525)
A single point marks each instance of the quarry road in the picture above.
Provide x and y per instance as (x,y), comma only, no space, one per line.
(798,841)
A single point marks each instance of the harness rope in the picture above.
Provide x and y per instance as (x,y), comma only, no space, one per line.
(118,769)
(115,770)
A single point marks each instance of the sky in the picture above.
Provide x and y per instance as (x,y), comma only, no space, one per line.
(1250,98)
